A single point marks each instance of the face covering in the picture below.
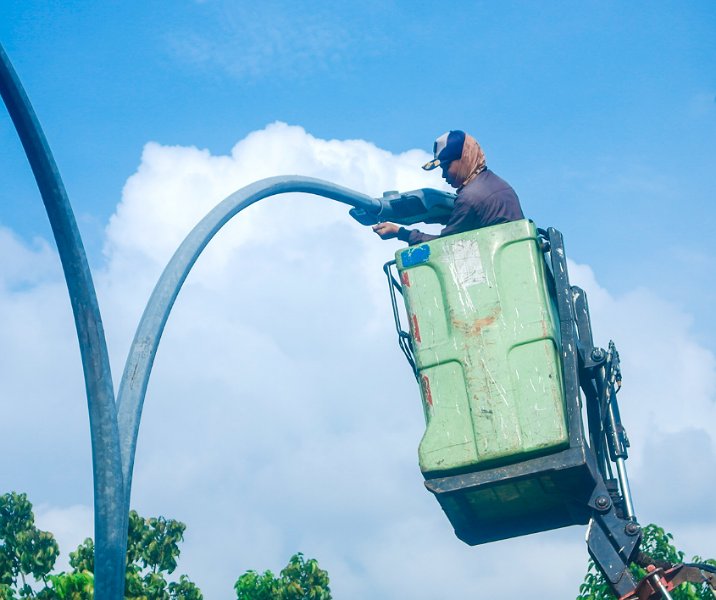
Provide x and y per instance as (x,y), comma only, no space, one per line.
(471,163)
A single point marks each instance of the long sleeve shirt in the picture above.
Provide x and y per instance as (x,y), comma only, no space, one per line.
(486,200)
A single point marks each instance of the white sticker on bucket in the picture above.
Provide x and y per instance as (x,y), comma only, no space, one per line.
(466,263)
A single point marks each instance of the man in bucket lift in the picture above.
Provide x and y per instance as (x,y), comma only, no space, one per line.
(482,197)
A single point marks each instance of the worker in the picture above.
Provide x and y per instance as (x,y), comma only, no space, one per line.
(482,197)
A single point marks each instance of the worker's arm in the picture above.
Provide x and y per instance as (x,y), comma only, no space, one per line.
(388,231)
(461,219)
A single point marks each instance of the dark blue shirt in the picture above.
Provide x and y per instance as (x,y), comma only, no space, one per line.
(486,200)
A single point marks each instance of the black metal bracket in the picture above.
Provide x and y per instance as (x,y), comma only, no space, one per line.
(612,541)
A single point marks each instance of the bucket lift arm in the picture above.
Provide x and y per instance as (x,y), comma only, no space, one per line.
(613,534)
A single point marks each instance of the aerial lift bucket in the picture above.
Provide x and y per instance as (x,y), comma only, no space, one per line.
(504,449)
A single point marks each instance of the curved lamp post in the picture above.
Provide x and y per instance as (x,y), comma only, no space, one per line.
(137,370)
(133,386)
(107,473)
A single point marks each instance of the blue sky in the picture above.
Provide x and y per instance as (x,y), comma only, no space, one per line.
(602,115)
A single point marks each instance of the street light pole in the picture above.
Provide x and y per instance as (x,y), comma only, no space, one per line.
(107,473)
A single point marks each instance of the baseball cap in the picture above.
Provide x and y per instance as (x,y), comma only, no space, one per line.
(447,147)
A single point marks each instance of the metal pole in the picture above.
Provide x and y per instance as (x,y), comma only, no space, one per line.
(108,481)
(114,427)
(626,490)
(655,577)
(133,386)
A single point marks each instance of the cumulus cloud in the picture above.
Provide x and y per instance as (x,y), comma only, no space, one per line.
(281,415)
(669,378)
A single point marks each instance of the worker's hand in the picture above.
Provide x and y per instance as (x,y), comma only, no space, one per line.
(386,231)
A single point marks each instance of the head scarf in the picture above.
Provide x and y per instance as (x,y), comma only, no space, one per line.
(471,163)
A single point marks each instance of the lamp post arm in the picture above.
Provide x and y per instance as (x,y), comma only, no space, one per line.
(133,386)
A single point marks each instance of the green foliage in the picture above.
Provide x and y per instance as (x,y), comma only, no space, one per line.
(26,552)
(82,559)
(184,589)
(303,579)
(77,585)
(154,542)
(253,586)
(657,543)
(300,580)
(152,553)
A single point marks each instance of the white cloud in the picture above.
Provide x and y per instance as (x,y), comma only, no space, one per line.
(669,379)
(29,265)
(281,415)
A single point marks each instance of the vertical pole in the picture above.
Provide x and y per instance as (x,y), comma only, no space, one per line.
(655,577)
(108,483)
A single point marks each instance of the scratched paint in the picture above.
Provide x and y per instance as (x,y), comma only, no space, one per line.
(426,389)
(465,263)
(475,328)
(405,278)
(416,327)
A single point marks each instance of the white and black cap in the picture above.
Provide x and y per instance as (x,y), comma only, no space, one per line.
(447,148)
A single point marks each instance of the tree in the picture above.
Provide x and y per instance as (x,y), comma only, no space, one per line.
(152,552)
(27,555)
(657,543)
(26,552)
(77,585)
(300,580)
(252,586)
